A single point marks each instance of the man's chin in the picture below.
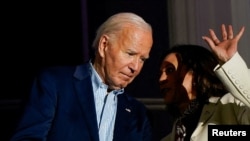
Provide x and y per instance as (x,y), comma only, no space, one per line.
(121,84)
(124,84)
(118,87)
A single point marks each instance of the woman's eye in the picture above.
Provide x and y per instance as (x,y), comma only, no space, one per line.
(170,70)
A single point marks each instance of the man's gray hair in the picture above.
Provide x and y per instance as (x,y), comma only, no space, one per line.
(117,22)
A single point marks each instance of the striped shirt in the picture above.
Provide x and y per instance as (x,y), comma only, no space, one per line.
(105,106)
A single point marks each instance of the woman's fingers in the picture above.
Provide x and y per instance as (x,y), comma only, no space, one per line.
(238,36)
(214,37)
(223,32)
(230,32)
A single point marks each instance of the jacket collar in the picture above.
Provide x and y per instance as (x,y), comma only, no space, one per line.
(84,92)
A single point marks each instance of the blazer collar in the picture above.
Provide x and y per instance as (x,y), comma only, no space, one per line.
(207,112)
(124,115)
(84,92)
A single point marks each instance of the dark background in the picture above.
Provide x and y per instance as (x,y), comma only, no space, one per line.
(45,33)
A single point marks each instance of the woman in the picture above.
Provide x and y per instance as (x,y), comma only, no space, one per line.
(198,89)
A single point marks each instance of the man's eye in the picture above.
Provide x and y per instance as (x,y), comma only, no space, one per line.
(130,54)
(143,59)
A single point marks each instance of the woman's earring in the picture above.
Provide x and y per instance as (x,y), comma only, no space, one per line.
(193,84)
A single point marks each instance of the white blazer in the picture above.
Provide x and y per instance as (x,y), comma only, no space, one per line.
(235,75)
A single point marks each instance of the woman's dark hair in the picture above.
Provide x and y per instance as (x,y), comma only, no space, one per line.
(202,62)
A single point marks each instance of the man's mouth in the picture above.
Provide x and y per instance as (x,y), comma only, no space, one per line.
(126,76)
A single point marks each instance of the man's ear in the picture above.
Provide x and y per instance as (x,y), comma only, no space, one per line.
(103,43)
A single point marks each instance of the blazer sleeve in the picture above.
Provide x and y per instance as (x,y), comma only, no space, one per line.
(235,75)
(39,111)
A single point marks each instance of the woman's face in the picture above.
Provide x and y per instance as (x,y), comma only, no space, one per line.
(175,80)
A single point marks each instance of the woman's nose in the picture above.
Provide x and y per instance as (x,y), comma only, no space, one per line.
(163,77)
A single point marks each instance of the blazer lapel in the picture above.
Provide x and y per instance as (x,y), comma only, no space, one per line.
(85,95)
(123,118)
(207,112)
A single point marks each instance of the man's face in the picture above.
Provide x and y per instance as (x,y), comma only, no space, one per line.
(124,56)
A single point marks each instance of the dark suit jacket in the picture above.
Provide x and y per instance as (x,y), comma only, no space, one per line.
(61,108)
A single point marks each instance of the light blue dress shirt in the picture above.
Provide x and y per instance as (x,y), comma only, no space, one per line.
(105,105)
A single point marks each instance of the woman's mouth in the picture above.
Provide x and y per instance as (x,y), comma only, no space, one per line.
(165,90)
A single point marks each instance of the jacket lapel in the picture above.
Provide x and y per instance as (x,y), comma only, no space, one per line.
(207,112)
(84,92)
(123,118)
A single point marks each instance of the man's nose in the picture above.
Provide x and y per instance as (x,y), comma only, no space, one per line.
(135,65)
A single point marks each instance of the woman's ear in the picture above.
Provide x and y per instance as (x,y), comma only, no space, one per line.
(103,43)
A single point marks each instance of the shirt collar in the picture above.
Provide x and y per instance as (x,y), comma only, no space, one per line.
(97,81)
